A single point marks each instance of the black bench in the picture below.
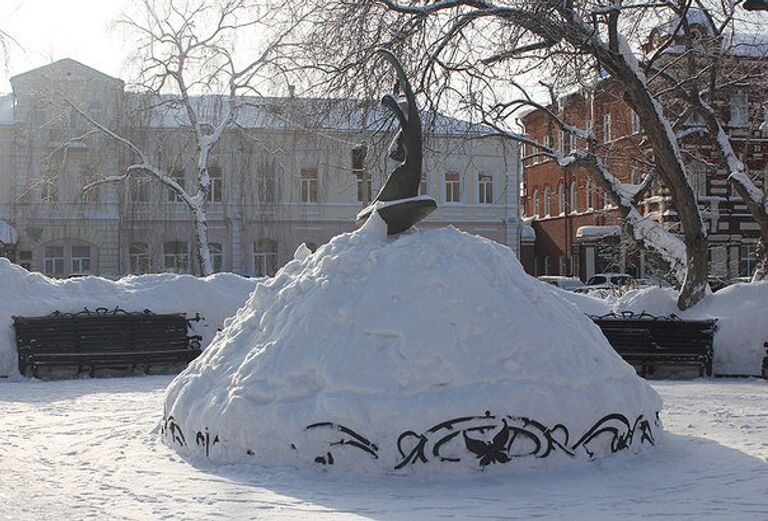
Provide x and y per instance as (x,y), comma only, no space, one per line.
(112,339)
(765,361)
(645,341)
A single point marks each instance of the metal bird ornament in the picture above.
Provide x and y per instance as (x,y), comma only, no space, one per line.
(398,202)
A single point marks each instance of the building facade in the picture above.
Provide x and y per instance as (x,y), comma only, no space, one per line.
(578,232)
(279,178)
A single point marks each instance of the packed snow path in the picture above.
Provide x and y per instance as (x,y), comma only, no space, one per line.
(90,448)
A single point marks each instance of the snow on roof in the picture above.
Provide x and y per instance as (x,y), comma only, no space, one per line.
(6,109)
(284,113)
(598,231)
(527,232)
(8,235)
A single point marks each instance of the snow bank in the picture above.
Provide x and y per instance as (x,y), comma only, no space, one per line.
(32,294)
(741,311)
(427,352)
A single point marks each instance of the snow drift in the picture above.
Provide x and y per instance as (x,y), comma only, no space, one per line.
(32,294)
(431,351)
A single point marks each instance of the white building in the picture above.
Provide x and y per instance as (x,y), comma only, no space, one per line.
(289,172)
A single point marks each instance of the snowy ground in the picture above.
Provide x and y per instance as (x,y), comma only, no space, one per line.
(89,448)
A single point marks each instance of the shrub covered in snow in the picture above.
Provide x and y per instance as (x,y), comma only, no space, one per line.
(431,351)
(31,294)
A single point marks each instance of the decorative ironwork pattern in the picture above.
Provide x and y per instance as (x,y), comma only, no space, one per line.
(630,315)
(489,439)
(350,438)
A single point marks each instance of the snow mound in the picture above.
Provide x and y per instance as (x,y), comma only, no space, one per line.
(23,293)
(427,352)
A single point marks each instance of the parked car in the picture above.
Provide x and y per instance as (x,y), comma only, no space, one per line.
(609,280)
(566,283)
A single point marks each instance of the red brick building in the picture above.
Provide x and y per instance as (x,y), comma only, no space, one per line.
(577,231)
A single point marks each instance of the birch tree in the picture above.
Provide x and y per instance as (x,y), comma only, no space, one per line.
(470,51)
(185,61)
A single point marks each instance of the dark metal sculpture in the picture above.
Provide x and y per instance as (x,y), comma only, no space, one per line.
(398,202)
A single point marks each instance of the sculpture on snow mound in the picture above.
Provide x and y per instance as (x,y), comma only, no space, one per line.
(459,363)
(398,201)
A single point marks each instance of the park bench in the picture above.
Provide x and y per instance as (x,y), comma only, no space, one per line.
(765,361)
(104,339)
(646,341)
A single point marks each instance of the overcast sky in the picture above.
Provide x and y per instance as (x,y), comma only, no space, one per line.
(48,30)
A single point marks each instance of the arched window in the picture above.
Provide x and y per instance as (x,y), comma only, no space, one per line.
(561,198)
(536,203)
(574,197)
(547,201)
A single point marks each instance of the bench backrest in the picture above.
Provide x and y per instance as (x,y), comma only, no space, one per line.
(659,335)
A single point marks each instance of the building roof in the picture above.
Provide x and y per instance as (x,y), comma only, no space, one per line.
(283,113)
(60,64)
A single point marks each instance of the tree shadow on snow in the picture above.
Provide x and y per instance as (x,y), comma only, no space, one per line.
(682,477)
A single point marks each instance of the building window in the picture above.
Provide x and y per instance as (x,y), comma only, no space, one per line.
(138,188)
(38,117)
(74,121)
(636,177)
(562,267)
(546,265)
(265,257)
(634,121)
(547,201)
(266,182)
(747,260)
(485,189)
(53,261)
(739,110)
(96,111)
(88,176)
(309,185)
(561,198)
(423,185)
(175,256)
(216,190)
(81,259)
(574,197)
(590,196)
(25,259)
(536,203)
(217,256)
(49,187)
(607,136)
(452,187)
(177,174)
(359,169)
(548,140)
(139,258)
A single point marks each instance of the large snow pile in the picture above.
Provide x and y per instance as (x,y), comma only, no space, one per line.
(428,352)
(23,293)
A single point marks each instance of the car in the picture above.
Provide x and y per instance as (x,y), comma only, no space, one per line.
(566,283)
(609,280)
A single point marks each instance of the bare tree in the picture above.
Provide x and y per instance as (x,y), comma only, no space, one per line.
(187,66)
(470,51)
(708,52)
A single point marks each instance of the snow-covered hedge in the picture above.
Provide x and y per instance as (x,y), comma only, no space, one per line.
(31,294)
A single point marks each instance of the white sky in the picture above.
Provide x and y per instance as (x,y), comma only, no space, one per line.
(48,30)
